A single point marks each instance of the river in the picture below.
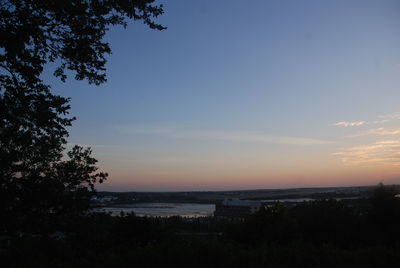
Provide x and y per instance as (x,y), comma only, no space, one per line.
(189,210)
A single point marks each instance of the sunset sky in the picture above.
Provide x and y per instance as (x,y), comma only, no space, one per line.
(245,95)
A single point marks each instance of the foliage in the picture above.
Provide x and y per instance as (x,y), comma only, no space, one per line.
(310,234)
(35,32)
(385,211)
(34,179)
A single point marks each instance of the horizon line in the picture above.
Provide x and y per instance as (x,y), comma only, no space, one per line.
(254,189)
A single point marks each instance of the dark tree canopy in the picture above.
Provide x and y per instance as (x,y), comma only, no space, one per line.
(34,32)
(34,178)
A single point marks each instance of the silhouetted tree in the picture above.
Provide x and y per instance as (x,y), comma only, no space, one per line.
(384,215)
(328,220)
(271,224)
(33,177)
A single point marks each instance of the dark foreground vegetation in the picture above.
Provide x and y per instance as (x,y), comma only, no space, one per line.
(325,233)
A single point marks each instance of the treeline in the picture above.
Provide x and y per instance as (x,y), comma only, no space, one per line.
(324,233)
(218,196)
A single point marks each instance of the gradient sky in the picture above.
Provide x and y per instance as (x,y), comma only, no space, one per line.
(247,94)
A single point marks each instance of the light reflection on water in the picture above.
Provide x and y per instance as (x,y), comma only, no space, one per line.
(162,209)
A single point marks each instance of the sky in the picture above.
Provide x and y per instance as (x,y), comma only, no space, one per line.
(247,95)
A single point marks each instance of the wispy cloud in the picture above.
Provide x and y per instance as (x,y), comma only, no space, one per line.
(383,119)
(349,124)
(392,116)
(380,121)
(233,136)
(378,153)
(376,132)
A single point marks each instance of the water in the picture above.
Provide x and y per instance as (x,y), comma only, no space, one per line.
(190,210)
(306,199)
(289,200)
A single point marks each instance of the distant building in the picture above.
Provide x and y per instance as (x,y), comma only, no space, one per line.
(236,208)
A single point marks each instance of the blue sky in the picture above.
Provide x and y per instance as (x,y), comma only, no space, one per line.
(246,94)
